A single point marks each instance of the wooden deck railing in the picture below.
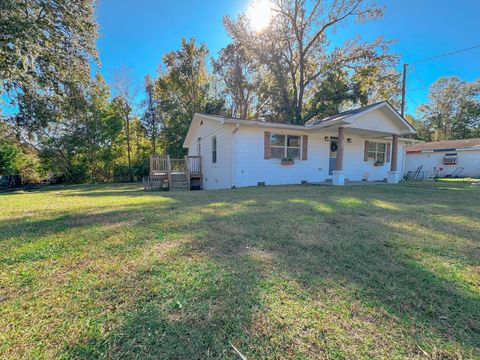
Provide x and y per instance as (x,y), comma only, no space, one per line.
(159,164)
(194,164)
(163,165)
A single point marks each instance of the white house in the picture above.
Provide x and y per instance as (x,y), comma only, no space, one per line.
(360,144)
(458,158)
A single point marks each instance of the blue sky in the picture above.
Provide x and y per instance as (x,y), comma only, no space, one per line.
(137,33)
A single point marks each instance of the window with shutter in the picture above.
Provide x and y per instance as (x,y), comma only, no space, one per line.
(305,147)
(285,146)
(365,154)
(266,145)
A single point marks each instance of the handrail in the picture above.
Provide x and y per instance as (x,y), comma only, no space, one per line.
(158,164)
(169,171)
(187,171)
(195,164)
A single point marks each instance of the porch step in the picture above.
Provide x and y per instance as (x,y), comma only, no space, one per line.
(178,176)
(179,181)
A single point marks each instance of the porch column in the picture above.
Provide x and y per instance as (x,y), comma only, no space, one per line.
(339,166)
(393,173)
(338,176)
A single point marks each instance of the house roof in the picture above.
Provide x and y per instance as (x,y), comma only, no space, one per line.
(448,145)
(316,123)
(344,114)
(343,119)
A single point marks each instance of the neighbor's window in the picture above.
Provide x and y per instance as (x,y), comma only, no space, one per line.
(214,149)
(376,152)
(285,146)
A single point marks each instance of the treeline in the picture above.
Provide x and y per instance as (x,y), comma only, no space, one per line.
(452,112)
(65,125)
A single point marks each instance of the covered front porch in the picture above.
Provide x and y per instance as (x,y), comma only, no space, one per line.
(385,154)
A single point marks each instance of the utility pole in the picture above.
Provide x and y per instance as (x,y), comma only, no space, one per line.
(404,84)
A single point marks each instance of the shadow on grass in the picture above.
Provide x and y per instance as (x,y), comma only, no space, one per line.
(79,189)
(176,318)
(24,232)
(364,253)
(192,304)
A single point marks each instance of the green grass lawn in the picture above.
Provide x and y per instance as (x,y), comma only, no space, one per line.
(299,272)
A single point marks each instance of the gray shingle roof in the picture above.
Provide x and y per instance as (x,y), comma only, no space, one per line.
(448,145)
(342,115)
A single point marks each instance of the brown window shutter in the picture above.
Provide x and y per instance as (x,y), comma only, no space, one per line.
(305,147)
(365,153)
(388,152)
(266,144)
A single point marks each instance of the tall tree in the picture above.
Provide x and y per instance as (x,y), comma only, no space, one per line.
(183,89)
(453,110)
(151,116)
(45,51)
(85,146)
(126,91)
(99,132)
(242,81)
(296,48)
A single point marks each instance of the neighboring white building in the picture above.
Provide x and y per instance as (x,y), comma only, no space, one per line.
(361,144)
(458,158)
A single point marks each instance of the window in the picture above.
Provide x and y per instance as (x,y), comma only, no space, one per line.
(214,149)
(377,152)
(293,147)
(277,146)
(285,146)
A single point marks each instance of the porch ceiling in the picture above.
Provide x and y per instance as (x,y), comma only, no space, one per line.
(366,132)
(352,130)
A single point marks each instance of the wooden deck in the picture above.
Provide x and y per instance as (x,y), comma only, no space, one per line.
(174,174)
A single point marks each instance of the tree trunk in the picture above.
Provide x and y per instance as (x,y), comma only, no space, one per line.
(154,140)
(301,90)
(130,175)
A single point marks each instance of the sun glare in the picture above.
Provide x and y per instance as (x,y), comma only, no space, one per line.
(260,14)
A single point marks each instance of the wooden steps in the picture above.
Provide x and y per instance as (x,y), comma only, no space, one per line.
(178,181)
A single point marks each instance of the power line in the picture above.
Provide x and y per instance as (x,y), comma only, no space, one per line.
(417,89)
(420,80)
(415,104)
(412,100)
(405,66)
(446,54)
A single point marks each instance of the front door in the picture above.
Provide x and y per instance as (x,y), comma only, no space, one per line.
(333,155)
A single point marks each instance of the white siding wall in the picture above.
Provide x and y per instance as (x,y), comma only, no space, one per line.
(433,162)
(251,167)
(219,175)
(355,167)
(377,121)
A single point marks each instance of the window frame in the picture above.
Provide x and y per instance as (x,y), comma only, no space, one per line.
(377,151)
(214,149)
(285,146)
